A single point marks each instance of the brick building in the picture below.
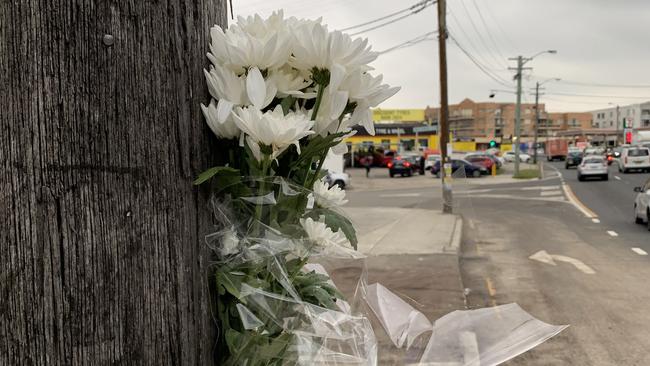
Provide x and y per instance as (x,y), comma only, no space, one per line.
(486,120)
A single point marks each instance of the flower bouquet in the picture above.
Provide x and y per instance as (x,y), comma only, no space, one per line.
(286,92)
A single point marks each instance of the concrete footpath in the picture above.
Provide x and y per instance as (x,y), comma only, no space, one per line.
(415,254)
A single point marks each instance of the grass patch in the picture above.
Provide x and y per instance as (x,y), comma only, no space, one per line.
(527,174)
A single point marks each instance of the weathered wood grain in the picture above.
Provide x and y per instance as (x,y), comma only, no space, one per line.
(101,232)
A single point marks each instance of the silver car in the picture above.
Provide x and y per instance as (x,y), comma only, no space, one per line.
(642,204)
(593,166)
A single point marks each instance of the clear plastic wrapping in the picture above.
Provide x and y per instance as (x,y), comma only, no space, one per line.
(279,305)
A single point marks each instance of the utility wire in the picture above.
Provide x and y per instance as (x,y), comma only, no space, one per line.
(495,21)
(478,64)
(487,29)
(623,86)
(411,42)
(481,40)
(386,16)
(598,96)
(471,43)
(413,12)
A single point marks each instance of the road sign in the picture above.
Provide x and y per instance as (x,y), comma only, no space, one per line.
(425,129)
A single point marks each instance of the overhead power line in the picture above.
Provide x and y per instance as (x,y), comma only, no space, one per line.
(487,29)
(411,42)
(599,96)
(386,16)
(417,8)
(479,65)
(498,62)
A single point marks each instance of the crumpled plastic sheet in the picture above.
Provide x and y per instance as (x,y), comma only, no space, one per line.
(321,336)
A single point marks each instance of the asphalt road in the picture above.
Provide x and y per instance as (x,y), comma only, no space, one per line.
(584,272)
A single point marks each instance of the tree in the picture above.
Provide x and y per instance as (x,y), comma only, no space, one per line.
(101,134)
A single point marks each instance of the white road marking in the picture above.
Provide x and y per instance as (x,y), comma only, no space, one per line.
(639,251)
(543,188)
(550,193)
(400,195)
(544,257)
(596,221)
(612,233)
(576,203)
(617,177)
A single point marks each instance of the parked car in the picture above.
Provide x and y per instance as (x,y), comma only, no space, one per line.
(510,156)
(337,179)
(458,164)
(642,204)
(417,163)
(492,157)
(634,157)
(482,162)
(404,166)
(573,159)
(593,166)
(431,159)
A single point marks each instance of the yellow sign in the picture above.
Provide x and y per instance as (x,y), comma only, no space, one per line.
(410,115)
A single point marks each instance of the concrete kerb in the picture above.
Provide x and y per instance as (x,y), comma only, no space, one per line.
(456,237)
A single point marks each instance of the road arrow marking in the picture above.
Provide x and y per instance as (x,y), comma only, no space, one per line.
(617,177)
(639,251)
(595,221)
(544,257)
(612,233)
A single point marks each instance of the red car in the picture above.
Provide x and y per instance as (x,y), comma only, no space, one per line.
(482,162)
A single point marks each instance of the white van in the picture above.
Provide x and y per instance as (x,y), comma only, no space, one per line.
(634,157)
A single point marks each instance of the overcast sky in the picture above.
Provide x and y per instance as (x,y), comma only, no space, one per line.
(600,42)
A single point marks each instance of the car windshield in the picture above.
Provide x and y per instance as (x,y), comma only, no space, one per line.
(575,154)
(637,152)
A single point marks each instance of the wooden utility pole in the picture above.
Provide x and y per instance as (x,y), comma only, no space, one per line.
(101,248)
(443,123)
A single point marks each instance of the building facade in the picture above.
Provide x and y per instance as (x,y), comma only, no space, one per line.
(554,122)
(486,120)
(632,116)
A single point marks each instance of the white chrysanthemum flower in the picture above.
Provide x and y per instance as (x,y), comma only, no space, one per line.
(229,242)
(367,92)
(320,234)
(327,197)
(331,108)
(220,120)
(273,129)
(289,81)
(252,42)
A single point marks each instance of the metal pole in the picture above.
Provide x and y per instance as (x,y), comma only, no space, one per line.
(443,124)
(520,64)
(536,121)
(616,144)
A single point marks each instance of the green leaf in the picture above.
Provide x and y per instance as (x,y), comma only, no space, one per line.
(287,103)
(230,282)
(206,175)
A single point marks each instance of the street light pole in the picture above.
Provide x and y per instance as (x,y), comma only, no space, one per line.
(520,68)
(617,127)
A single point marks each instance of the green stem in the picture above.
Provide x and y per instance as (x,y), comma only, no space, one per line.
(265,166)
(319,97)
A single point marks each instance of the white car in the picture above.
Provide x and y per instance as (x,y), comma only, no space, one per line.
(431,160)
(642,204)
(634,157)
(509,156)
(593,166)
(338,179)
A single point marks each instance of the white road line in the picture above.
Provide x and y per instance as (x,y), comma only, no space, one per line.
(617,177)
(568,192)
(612,233)
(595,221)
(543,188)
(401,195)
(550,193)
(639,251)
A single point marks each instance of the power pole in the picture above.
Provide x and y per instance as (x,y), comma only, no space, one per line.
(520,64)
(617,127)
(536,121)
(101,246)
(447,196)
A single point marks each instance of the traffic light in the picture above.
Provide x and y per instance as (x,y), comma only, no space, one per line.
(493,144)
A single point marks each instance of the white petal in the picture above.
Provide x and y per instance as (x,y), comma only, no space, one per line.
(339,101)
(337,74)
(255,87)
(340,149)
(255,148)
(224,108)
